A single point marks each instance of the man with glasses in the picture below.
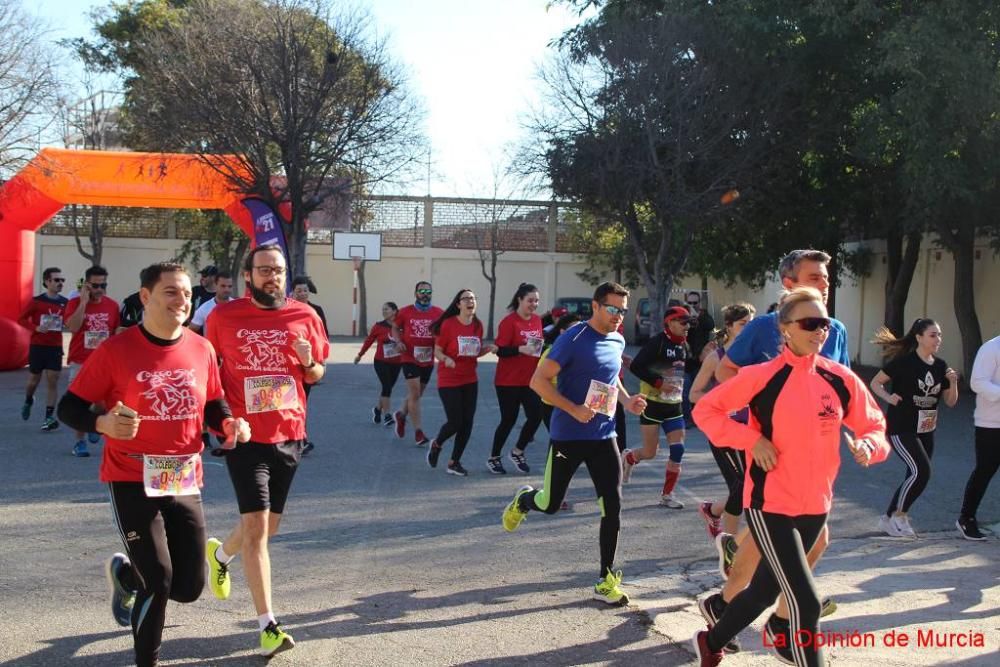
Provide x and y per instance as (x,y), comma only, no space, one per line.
(93,317)
(412,328)
(270,348)
(760,341)
(43,316)
(659,365)
(699,336)
(579,377)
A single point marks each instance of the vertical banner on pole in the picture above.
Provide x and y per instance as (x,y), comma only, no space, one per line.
(267,229)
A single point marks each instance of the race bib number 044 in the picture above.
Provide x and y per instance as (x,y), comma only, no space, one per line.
(266,393)
(170,475)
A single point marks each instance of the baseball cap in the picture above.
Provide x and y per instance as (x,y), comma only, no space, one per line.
(676,312)
(558,312)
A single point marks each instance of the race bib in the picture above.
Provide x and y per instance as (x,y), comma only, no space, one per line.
(91,339)
(672,389)
(170,475)
(534,345)
(469,346)
(926,421)
(423,355)
(390,349)
(602,398)
(51,322)
(266,393)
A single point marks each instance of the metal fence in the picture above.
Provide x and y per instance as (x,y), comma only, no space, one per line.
(403,221)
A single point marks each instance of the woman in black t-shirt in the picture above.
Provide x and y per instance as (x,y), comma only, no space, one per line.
(919,380)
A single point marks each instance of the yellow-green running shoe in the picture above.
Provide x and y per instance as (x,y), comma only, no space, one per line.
(607,590)
(274,640)
(827,607)
(218,573)
(513,515)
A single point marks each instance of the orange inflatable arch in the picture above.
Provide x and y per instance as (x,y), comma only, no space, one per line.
(57,177)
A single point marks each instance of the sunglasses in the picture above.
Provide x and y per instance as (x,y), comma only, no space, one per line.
(98,285)
(58,280)
(694,303)
(614,311)
(813,323)
(683,322)
(425,292)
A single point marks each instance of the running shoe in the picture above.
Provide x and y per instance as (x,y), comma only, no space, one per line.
(495,466)
(400,420)
(218,573)
(26,408)
(387,420)
(308,447)
(827,607)
(712,609)
(706,657)
(80,449)
(519,462)
(969,528)
(668,500)
(902,524)
(94,438)
(274,640)
(513,515)
(455,468)
(628,462)
(422,440)
(50,425)
(607,590)
(779,636)
(433,453)
(886,525)
(566,506)
(726,546)
(376,416)
(713,524)
(122,597)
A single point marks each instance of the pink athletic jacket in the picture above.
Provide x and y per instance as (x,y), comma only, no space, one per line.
(799,404)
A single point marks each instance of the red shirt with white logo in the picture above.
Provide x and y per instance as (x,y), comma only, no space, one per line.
(415,325)
(100,320)
(261,373)
(514,331)
(168,385)
(463,343)
(386,348)
(54,313)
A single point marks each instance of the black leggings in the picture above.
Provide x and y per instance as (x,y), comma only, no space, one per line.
(620,427)
(987,462)
(460,410)
(605,468)
(387,375)
(733,464)
(916,450)
(511,400)
(165,541)
(547,411)
(783,542)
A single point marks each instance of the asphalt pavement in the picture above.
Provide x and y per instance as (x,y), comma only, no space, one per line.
(383,561)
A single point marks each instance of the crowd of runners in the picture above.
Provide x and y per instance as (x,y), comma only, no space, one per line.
(175,365)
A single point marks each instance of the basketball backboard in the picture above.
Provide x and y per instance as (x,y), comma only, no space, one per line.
(352,245)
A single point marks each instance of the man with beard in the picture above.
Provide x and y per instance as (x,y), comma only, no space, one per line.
(44,318)
(412,328)
(270,347)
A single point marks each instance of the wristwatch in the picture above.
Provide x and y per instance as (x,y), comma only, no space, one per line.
(311,364)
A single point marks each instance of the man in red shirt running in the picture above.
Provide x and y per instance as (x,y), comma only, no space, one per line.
(270,347)
(44,316)
(412,328)
(93,317)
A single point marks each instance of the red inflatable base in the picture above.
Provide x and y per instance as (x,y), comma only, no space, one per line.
(14,350)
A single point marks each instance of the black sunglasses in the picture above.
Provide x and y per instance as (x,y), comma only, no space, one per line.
(98,285)
(58,280)
(813,323)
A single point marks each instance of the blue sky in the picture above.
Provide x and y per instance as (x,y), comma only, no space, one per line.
(471,62)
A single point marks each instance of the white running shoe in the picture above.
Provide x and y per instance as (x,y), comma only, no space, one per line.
(902,524)
(887,526)
(626,466)
(668,500)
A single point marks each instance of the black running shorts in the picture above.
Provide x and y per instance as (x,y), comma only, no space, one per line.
(411,371)
(262,474)
(44,358)
(657,413)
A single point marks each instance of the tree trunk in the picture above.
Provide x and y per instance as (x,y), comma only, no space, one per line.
(834,269)
(963,251)
(362,300)
(493,293)
(236,264)
(901,265)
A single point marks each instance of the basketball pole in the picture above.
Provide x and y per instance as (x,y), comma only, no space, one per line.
(354,305)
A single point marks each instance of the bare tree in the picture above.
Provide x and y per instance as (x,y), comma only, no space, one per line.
(285,86)
(28,85)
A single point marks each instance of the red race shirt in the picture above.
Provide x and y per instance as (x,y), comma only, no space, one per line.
(386,349)
(416,328)
(99,323)
(168,385)
(514,331)
(261,373)
(54,312)
(461,342)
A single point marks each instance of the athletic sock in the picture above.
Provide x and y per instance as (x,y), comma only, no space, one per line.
(265,620)
(670,481)
(49,411)
(630,458)
(29,400)
(222,556)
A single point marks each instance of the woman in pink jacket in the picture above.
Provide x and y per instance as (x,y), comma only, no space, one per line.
(798,403)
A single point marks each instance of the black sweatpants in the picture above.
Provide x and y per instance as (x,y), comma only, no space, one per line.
(733,464)
(460,411)
(165,541)
(605,467)
(511,400)
(987,462)
(916,450)
(387,375)
(784,542)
